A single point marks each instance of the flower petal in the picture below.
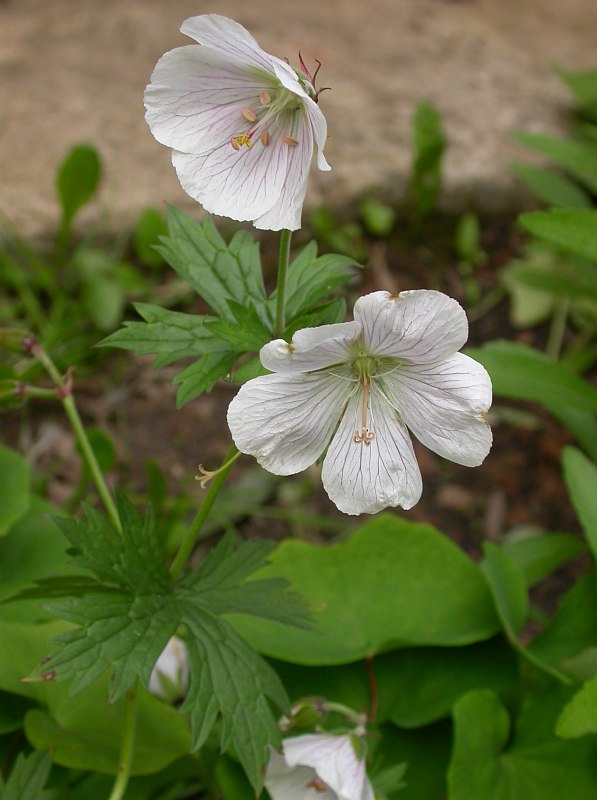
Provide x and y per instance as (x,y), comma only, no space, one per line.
(293,783)
(320,131)
(311,348)
(224,34)
(243,184)
(364,479)
(334,760)
(286,421)
(420,326)
(445,406)
(195,99)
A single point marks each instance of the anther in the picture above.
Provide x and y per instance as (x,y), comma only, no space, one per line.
(242,139)
(265,98)
(290,140)
(265,138)
(249,115)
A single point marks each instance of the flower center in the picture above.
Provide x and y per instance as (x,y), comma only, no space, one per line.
(271,108)
(367,369)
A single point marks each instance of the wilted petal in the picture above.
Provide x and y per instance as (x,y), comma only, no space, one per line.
(445,405)
(334,760)
(364,479)
(293,783)
(286,421)
(311,348)
(195,99)
(420,326)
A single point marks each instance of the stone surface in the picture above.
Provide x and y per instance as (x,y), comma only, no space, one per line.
(73,70)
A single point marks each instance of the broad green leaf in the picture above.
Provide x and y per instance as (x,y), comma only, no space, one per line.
(77,180)
(582,424)
(508,586)
(580,475)
(496,758)
(169,335)
(28,778)
(217,272)
(574,230)
(551,187)
(583,84)
(201,376)
(538,555)
(575,281)
(246,332)
(103,299)
(579,717)
(578,158)
(15,496)
(392,583)
(522,373)
(151,225)
(428,143)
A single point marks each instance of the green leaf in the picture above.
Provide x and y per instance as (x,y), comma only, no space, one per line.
(428,144)
(15,496)
(125,620)
(217,272)
(28,778)
(571,280)
(12,712)
(378,217)
(521,373)
(392,583)
(496,758)
(579,717)
(583,84)
(170,335)
(539,554)
(201,376)
(578,158)
(508,586)
(551,187)
(77,180)
(151,225)
(103,299)
(246,332)
(580,475)
(327,314)
(572,229)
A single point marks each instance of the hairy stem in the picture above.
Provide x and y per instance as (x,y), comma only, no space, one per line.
(285,238)
(127,746)
(188,543)
(68,402)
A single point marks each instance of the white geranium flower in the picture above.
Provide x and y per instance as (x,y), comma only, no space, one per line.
(242,124)
(360,384)
(318,767)
(170,677)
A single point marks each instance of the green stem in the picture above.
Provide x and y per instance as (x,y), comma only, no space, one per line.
(285,238)
(127,746)
(188,543)
(69,405)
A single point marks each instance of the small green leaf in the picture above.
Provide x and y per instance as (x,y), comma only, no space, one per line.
(578,158)
(538,555)
(15,496)
(151,225)
(77,180)
(428,144)
(580,475)
(574,230)
(28,778)
(378,217)
(551,187)
(579,717)
(583,84)
(103,299)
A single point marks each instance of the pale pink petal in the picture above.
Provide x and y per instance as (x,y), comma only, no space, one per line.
(364,479)
(419,326)
(224,34)
(320,131)
(195,99)
(311,348)
(293,783)
(286,421)
(445,405)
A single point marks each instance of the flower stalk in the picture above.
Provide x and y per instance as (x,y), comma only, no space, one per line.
(285,238)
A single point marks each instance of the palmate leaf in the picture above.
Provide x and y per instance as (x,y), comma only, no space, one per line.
(28,778)
(125,617)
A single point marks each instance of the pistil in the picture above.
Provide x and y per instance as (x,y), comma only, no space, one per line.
(364,436)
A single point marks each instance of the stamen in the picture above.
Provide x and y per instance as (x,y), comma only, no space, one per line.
(242,139)
(290,140)
(364,436)
(249,115)
(316,784)
(264,138)
(265,98)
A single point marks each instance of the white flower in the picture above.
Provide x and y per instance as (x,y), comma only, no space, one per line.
(170,677)
(360,384)
(318,767)
(242,124)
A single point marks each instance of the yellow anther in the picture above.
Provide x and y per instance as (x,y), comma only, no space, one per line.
(264,138)
(249,115)
(265,98)
(290,140)
(242,139)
